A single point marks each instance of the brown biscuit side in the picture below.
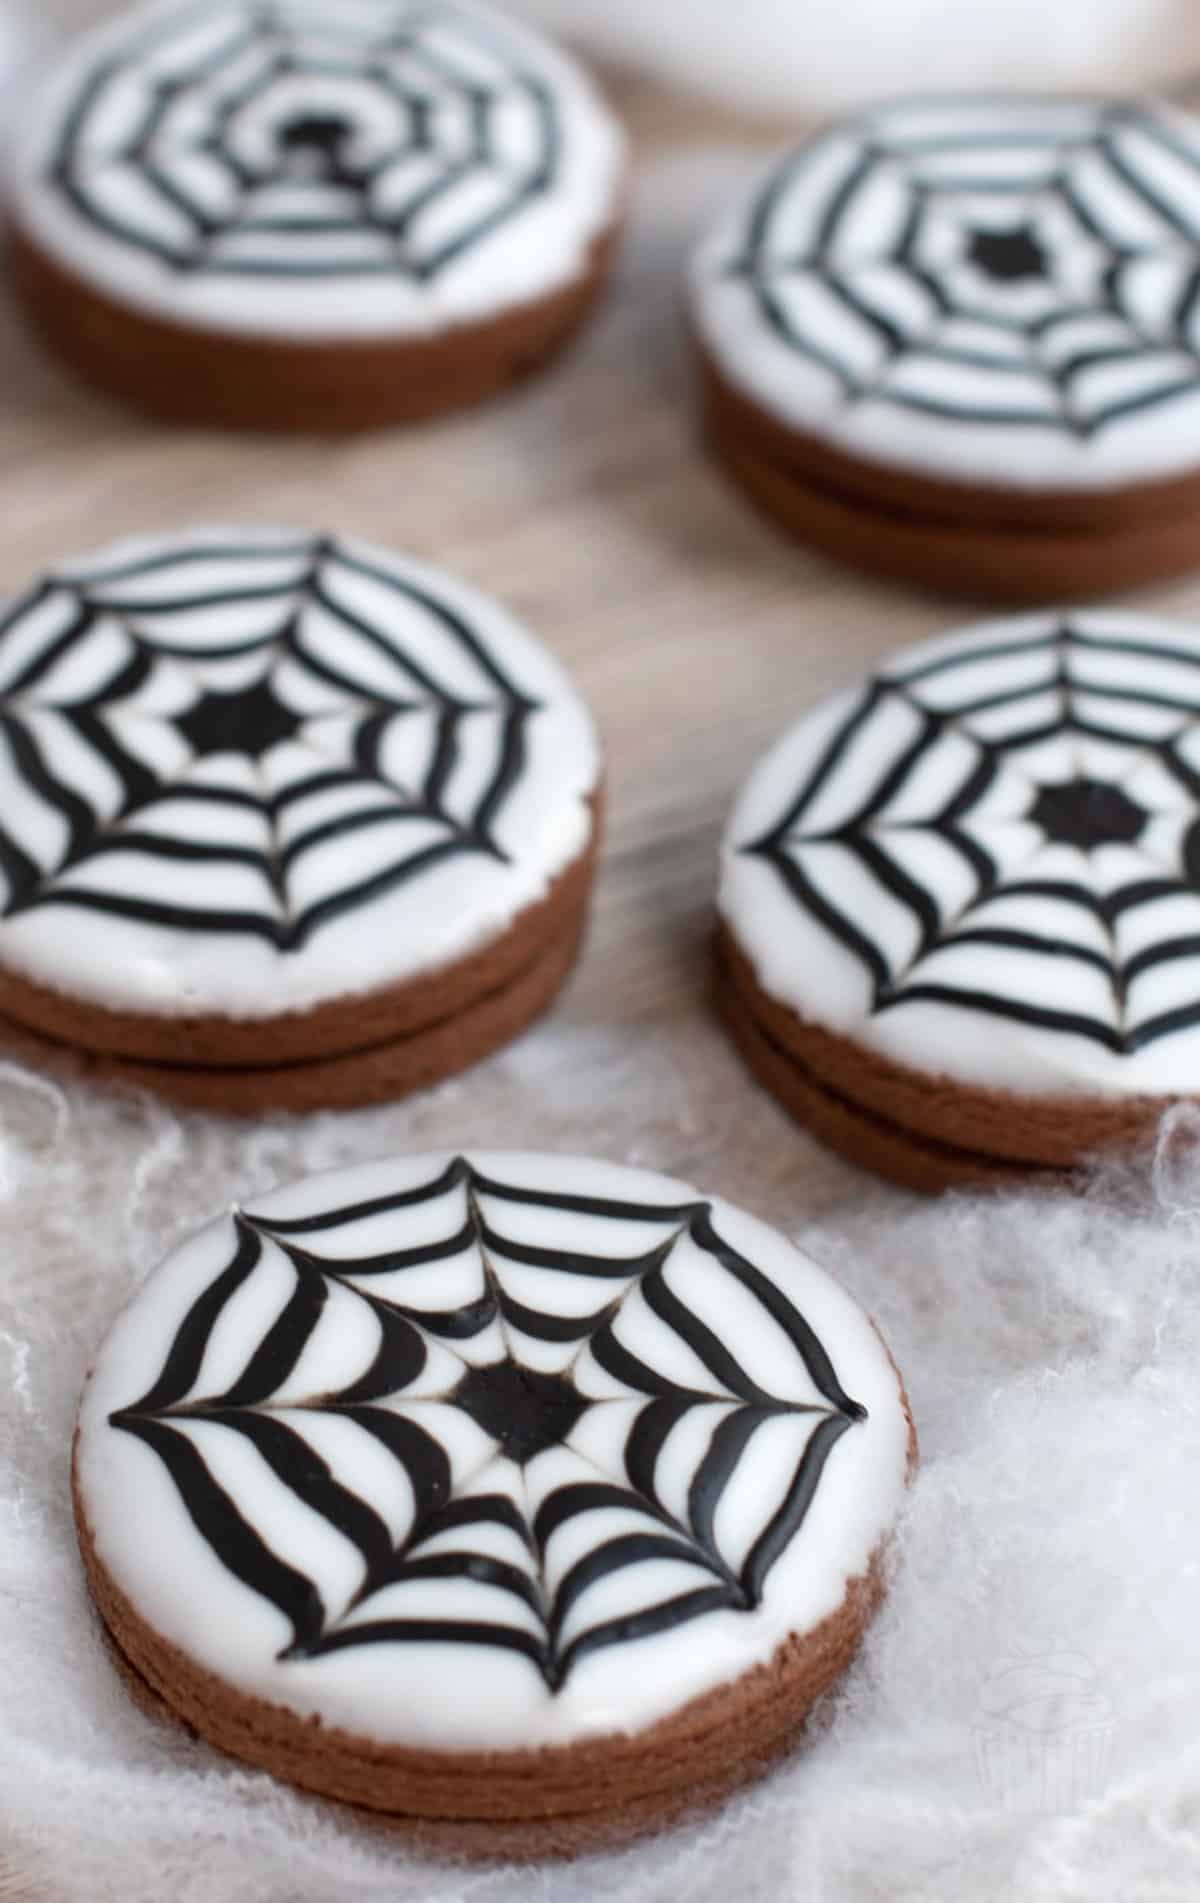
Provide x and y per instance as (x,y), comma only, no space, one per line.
(554,1802)
(378,1073)
(493,1839)
(986,1125)
(343,1026)
(1008,545)
(913,492)
(861,1136)
(229,380)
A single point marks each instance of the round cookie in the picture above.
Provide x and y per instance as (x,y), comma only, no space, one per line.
(295,217)
(960,903)
(529,1500)
(286,820)
(957,341)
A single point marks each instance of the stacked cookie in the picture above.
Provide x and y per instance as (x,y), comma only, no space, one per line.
(956,341)
(524,1500)
(289,821)
(293,217)
(960,903)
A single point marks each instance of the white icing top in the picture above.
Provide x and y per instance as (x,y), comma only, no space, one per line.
(985,861)
(551,1396)
(1001,290)
(374,168)
(245,772)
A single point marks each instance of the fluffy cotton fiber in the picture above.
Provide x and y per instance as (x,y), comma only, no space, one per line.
(1022,1721)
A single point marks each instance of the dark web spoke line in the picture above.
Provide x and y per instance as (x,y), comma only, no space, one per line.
(985,650)
(925,343)
(933,724)
(777,318)
(201,552)
(621,1489)
(90,837)
(1138,184)
(1059,642)
(906,983)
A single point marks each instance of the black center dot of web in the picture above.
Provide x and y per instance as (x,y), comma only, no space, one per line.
(524,1411)
(318,144)
(250,721)
(1008,256)
(322,133)
(1087,813)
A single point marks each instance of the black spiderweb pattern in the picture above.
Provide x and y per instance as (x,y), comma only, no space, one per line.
(375,137)
(1004,262)
(245,738)
(1013,828)
(526,1532)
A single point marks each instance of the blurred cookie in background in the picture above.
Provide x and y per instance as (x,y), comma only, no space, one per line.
(960,902)
(957,342)
(284,219)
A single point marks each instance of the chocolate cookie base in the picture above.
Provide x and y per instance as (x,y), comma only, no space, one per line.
(551,1803)
(343,1027)
(1002,544)
(923,1130)
(377,1073)
(230,380)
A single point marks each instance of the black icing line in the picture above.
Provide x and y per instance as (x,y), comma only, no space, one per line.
(221,1524)
(455,1173)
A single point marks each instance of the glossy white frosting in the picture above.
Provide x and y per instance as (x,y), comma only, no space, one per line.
(475,165)
(430,760)
(851,296)
(977,725)
(445,1692)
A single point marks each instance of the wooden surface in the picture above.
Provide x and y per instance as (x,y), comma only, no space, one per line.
(584,502)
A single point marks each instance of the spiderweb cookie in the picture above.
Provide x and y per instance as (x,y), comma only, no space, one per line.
(287,820)
(960,902)
(295,216)
(528,1499)
(958,341)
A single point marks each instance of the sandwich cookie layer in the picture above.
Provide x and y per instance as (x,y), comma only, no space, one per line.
(273,798)
(501,1490)
(304,217)
(956,340)
(963,896)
